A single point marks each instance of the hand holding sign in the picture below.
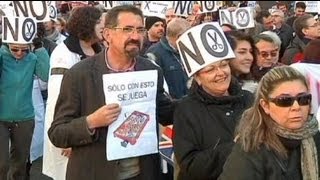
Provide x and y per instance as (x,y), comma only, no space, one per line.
(104,116)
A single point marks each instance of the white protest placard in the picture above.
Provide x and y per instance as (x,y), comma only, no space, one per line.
(251,4)
(111,4)
(37,9)
(4,4)
(242,18)
(183,8)
(53,14)
(134,133)
(311,6)
(6,8)
(202,45)
(19,30)
(219,4)
(208,6)
(155,8)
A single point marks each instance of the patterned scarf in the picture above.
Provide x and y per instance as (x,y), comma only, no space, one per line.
(309,157)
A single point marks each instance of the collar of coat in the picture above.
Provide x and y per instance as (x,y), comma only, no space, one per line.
(73,45)
(235,92)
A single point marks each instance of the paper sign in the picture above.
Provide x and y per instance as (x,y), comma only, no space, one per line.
(202,45)
(208,6)
(183,8)
(242,18)
(155,8)
(251,4)
(311,6)
(53,14)
(111,4)
(18,30)
(37,9)
(134,133)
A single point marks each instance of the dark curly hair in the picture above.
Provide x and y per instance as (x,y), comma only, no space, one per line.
(82,22)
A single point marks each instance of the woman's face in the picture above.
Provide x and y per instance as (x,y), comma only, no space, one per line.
(242,62)
(279,107)
(215,78)
(19,51)
(100,26)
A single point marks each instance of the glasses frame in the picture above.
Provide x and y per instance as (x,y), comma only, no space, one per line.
(287,101)
(269,54)
(131,30)
(24,50)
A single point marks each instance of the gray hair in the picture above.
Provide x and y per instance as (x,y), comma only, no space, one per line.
(276,39)
(177,26)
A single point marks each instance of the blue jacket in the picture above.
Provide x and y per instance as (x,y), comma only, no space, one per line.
(170,62)
(16,82)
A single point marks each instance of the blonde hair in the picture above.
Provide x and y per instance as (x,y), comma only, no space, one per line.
(254,127)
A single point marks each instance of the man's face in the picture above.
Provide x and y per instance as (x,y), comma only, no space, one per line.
(278,18)
(283,8)
(268,23)
(312,31)
(170,15)
(127,37)
(299,12)
(157,30)
(49,25)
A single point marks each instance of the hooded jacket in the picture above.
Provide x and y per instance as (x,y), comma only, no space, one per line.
(16,83)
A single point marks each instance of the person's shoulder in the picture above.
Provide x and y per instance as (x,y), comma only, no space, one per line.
(187,101)
(87,62)
(147,62)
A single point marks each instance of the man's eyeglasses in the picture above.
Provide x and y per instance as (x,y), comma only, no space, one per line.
(287,101)
(130,30)
(19,49)
(265,54)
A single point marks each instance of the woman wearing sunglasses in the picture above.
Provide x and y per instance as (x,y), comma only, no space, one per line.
(276,137)
(18,66)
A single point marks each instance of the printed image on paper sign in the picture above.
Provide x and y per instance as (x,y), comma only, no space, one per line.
(134,133)
(130,129)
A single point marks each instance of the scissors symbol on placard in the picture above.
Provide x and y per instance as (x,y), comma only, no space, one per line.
(216,43)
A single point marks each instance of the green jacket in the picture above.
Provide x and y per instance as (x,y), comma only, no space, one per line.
(16,83)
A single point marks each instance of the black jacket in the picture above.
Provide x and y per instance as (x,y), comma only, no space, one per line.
(204,131)
(265,164)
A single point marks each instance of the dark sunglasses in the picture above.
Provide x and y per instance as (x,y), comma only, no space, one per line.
(267,54)
(287,101)
(18,49)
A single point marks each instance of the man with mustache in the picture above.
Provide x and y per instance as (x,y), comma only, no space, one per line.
(155,30)
(82,116)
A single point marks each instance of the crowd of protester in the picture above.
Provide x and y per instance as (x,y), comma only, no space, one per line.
(253,116)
